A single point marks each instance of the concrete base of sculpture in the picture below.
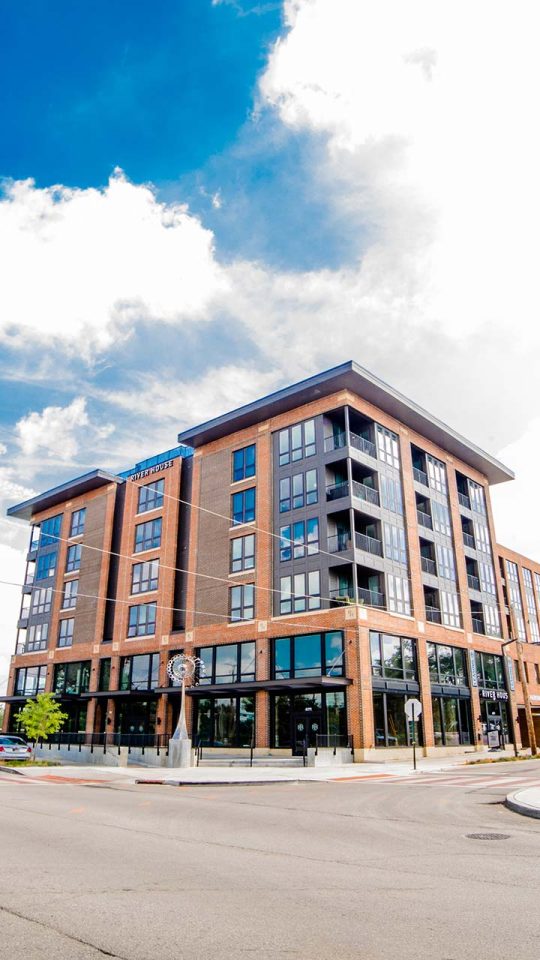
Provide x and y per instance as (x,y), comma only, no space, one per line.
(179,753)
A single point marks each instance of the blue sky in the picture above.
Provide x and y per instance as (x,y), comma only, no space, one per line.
(203,201)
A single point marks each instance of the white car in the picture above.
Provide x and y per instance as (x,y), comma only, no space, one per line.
(14,748)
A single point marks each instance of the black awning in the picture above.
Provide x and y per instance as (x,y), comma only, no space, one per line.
(298,685)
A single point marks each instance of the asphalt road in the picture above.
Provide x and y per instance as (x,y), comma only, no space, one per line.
(318,871)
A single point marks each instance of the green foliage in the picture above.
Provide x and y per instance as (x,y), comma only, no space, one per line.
(41,716)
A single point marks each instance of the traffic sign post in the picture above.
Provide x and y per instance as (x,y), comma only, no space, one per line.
(413,709)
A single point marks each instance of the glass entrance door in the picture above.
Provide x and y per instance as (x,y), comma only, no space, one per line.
(306,726)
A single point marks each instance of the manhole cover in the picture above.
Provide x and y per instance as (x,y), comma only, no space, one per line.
(487,836)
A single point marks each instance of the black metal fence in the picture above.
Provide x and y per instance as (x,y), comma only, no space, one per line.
(104,741)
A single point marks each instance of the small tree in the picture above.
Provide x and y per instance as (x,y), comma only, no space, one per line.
(41,716)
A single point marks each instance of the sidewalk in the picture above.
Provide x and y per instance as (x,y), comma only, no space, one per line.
(526,802)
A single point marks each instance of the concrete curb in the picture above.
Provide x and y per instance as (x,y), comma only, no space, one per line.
(519,803)
(219,783)
(14,771)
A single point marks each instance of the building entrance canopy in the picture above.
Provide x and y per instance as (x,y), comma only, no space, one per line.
(274,686)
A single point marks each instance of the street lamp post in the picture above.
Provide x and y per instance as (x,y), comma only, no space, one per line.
(523,680)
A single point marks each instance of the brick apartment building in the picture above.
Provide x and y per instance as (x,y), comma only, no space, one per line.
(328,551)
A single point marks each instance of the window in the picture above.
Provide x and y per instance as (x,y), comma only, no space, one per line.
(72,677)
(445,562)
(296,442)
(46,566)
(304,491)
(142,620)
(436,474)
(230,663)
(284,494)
(391,494)
(487,576)
(41,600)
(304,535)
(151,496)
(30,680)
(391,727)
(285,544)
(393,658)
(531,606)
(71,588)
(476,496)
(243,553)
(450,612)
(312,655)
(451,721)
(148,535)
(481,536)
(441,518)
(492,621)
(243,463)
(447,664)
(65,632)
(105,674)
(78,518)
(36,638)
(514,598)
(140,672)
(243,506)
(490,671)
(73,561)
(298,490)
(399,600)
(242,602)
(311,487)
(394,543)
(297,595)
(50,530)
(144,576)
(388,446)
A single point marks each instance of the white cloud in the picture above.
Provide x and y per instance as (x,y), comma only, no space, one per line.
(82,266)
(3,449)
(60,430)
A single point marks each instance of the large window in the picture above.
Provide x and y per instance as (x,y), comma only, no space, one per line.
(148,535)
(65,632)
(225,721)
(78,518)
(243,553)
(144,576)
(73,560)
(476,496)
(447,664)
(30,680)
(451,721)
(445,562)
(140,672)
(514,597)
(299,539)
(72,677)
(41,600)
(391,497)
(436,474)
(296,442)
(242,602)
(487,576)
(393,658)
(243,506)
(450,612)
(300,592)
(388,446)
(395,547)
(105,674)
(50,530)
(481,536)
(492,620)
(490,671)
(441,518)
(151,496)
(46,565)
(36,638)
(298,491)
(142,620)
(243,463)
(312,655)
(229,663)
(399,600)
(71,589)
(391,727)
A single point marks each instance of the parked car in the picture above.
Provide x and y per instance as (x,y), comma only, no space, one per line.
(14,748)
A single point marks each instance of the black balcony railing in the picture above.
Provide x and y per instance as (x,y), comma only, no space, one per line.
(464,500)
(363,492)
(433,614)
(371,597)
(429,566)
(365,446)
(468,540)
(420,476)
(474,582)
(424,519)
(342,597)
(337,490)
(368,544)
(339,542)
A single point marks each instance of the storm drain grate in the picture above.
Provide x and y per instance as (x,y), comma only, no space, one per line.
(487,836)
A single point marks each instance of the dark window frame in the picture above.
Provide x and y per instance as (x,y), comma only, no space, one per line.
(151,496)
(329,666)
(150,536)
(140,619)
(244,463)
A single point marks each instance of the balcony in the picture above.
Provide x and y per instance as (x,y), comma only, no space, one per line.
(342,597)
(464,500)
(433,614)
(339,542)
(371,597)
(429,566)
(362,492)
(474,582)
(424,519)
(365,446)
(337,490)
(335,442)
(420,476)
(469,541)
(368,544)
